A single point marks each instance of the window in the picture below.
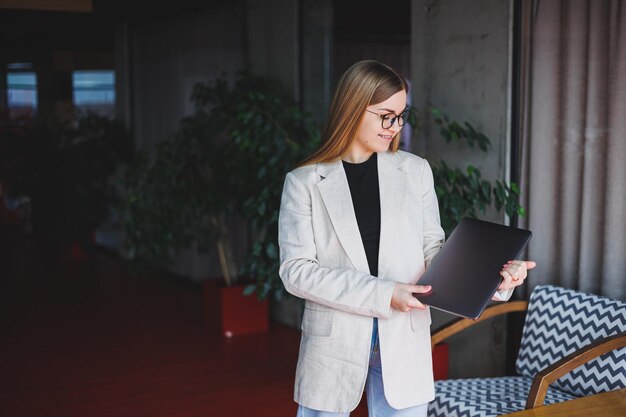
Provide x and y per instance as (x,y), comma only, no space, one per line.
(21,94)
(94,90)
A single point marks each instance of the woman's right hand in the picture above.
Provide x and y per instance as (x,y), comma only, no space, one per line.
(403,298)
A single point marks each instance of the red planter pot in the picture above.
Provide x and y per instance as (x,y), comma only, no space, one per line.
(440,361)
(230,313)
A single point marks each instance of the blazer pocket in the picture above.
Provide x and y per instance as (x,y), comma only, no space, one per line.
(317,322)
(420,319)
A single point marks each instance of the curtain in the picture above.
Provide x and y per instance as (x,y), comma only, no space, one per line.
(573,143)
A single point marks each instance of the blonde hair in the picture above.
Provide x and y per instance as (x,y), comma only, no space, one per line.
(364,83)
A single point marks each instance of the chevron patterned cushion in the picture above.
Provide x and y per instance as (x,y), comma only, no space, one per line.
(560,321)
(485,397)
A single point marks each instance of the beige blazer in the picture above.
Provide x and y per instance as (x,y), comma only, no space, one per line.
(323,261)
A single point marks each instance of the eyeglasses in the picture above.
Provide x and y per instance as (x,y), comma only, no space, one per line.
(387,120)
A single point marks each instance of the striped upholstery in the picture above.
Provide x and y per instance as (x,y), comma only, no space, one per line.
(482,397)
(558,322)
(561,321)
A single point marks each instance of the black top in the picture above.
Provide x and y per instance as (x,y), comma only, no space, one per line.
(363,182)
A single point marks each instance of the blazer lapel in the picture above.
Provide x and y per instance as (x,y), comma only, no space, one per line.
(392,199)
(335,193)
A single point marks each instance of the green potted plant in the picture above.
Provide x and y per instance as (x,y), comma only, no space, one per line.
(227,160)
(466,193)
(65,172)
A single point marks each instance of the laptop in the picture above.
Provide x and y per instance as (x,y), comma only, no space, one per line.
(465,274)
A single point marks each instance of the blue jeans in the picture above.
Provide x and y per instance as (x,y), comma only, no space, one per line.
(377,405)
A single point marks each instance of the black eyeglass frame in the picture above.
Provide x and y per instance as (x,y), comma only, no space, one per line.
(399,117)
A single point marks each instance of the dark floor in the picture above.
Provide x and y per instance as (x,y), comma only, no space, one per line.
(86,338)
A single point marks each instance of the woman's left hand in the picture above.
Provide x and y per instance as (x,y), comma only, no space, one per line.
(514,273)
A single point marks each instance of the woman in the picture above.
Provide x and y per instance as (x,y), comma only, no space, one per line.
(359,224)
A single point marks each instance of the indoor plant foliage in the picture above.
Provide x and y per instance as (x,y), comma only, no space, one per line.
(66,170)
(271,135)
(465,193)
(227,161)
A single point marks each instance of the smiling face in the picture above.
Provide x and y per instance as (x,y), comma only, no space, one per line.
(372,137)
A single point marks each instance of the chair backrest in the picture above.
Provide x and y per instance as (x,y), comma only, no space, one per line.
(560,321)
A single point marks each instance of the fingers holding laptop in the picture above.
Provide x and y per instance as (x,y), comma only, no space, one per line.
(403,298)
(514,273)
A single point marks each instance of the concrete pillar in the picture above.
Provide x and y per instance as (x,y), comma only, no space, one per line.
(54,88)
(273,37)
(290,41)
(460,61)
(316,56)
(4,103)
(122,51)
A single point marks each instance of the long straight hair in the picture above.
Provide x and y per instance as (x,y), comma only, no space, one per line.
(364,83)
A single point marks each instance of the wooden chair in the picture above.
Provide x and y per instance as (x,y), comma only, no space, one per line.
(573,345)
